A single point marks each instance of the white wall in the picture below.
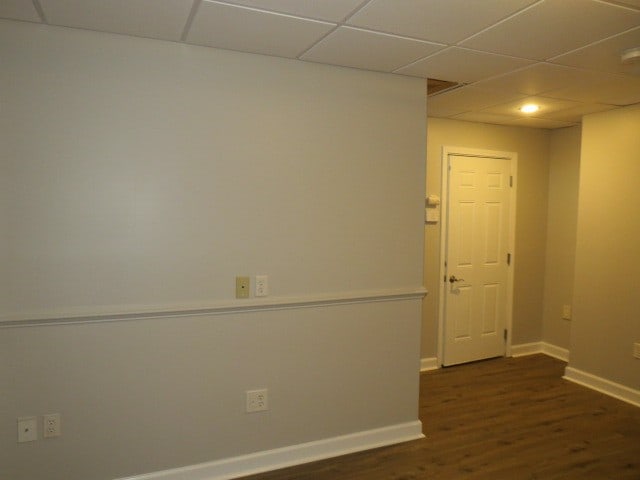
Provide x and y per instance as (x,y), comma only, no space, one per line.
(143,175)
(562,214)
(606,310)
(150,172)
(148,395)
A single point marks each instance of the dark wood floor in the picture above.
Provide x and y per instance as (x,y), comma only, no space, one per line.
(502,419)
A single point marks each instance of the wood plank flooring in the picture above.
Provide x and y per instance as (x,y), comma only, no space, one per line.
(501,419)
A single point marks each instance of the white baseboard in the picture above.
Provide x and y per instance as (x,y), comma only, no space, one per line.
(523,349)
(540,347)
(427,364)
(585,379)
(289,456)
(555,351)
(621,392)
(519,350)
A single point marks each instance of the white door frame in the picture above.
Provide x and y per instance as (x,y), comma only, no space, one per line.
(475,152)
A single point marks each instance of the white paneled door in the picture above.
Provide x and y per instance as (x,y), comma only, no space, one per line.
(477,258)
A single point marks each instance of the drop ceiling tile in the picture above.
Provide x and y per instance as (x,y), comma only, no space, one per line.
(616,90)
(19,10)
(603,56)
(626,3)
(609,89)
(547,105)
(575,114)
(533,122)
(331,10)
(539,78)
(441,21)
(353,47)
(553,27)
(483,117)
(249,30)
(462,65)
(512,120)
(163,19)
(466,99)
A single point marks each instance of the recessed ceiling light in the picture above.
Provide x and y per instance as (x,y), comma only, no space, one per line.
(529,108)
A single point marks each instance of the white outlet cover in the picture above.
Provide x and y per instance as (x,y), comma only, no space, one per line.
(262,285)
(257,400)
(51,425)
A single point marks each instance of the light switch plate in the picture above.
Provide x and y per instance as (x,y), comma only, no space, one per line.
(27,429)
(242,287)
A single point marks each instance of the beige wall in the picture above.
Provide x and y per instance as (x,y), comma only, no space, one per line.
(606,302)
(532,147)
(140,174)
(562,215)
(576,237)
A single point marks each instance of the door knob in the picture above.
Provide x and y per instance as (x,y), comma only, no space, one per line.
(453,279)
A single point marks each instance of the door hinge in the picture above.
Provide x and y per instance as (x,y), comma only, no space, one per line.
(511,180)
(508,259)
(505,334)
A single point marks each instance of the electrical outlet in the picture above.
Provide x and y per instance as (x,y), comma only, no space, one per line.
(262,285)
(636,349)
(257,400)
(242,287)
(566,312)
(27,429)
(51,425)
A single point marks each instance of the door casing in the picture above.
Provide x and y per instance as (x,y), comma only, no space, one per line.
(512,157)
